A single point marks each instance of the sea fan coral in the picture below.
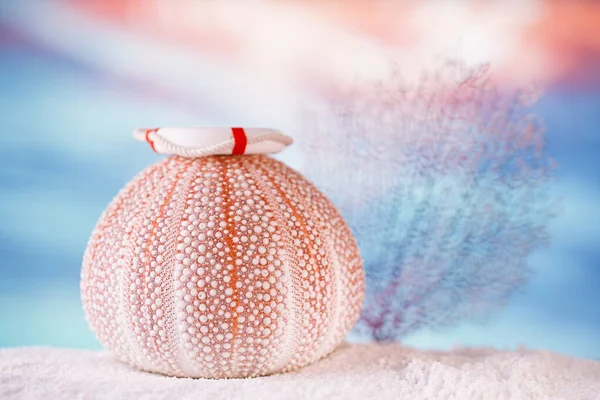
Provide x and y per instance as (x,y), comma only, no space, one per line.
(445,186)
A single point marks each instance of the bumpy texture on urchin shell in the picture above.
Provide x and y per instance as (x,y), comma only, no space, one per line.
(221,267)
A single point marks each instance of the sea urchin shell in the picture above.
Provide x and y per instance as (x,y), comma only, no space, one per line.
(221,267)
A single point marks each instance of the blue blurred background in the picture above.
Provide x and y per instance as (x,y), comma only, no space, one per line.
(77,77)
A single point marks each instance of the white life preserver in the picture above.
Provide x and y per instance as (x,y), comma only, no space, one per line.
(201,142)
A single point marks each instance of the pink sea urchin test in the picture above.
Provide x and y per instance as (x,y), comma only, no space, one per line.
(220,266)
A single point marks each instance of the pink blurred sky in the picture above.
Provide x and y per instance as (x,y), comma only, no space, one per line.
(254,57)
(524,39)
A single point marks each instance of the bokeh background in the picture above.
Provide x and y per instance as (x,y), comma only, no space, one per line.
(77,76)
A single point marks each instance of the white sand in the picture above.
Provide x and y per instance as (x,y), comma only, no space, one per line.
(351,372)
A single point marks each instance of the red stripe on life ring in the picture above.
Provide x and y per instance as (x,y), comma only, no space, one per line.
(148,132)
(240,139)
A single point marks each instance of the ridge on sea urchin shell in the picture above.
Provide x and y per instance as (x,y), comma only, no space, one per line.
(221,267)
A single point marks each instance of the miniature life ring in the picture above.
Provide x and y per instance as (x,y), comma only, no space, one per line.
(201,142)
